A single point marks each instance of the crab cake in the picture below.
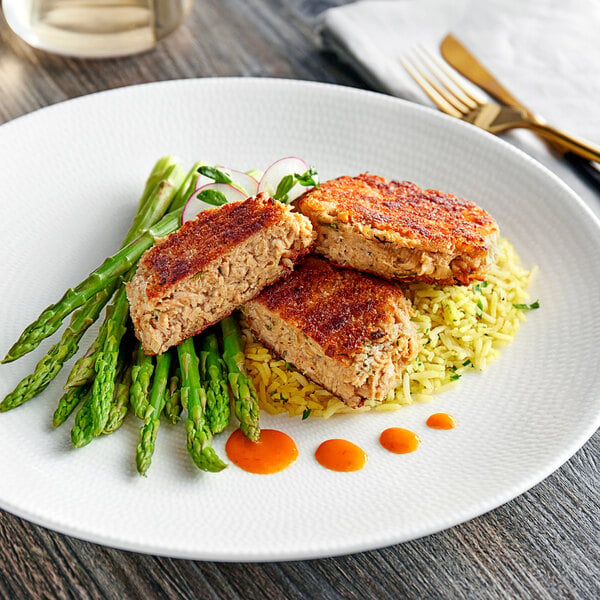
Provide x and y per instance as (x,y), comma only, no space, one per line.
(348,331)
(399,231)
(199,274)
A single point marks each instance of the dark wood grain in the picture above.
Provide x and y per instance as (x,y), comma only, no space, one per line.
(543,544)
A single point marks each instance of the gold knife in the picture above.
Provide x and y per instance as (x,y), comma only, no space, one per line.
(456,55)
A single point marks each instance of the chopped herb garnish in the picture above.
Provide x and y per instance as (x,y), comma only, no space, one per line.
(288,366)
(453,368)
(215,174)
(305,179)
(306,413)
(382,240)
(212,197)
(480,304)
(467,363)
(283,398)
(531,306)
(284,186)
(477,286)
(454,376)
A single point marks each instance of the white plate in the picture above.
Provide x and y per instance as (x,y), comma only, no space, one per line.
(70,180)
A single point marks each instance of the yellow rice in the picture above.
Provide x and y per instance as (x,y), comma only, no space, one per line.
(461,329)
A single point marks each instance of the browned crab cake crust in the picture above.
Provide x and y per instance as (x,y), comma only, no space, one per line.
(214,263)
(350,332)
(397,230)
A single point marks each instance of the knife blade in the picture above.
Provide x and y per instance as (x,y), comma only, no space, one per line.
(461,59)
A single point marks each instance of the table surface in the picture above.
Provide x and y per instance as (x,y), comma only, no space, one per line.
(543,544)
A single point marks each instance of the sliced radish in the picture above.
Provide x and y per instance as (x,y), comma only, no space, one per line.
(242,180)
(280,169)
(194,205)
(202,181)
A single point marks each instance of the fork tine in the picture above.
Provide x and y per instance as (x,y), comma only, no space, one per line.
(432,90)
(468,91)
(456,97)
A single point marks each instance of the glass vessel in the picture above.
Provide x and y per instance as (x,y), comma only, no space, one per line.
(94,28)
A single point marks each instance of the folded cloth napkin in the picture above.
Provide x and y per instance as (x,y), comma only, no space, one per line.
(546,53)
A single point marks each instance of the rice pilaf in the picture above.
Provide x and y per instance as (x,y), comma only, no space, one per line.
(461,329)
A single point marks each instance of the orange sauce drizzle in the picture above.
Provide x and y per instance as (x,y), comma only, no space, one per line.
(441,421)
(399,441)
(274,451)
(341,455)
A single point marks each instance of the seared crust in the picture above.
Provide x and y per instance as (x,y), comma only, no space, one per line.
(341,309)
(207,237)
(443,238)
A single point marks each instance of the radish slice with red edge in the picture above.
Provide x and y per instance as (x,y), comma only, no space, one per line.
(194,205)
(240,179)
(277,171)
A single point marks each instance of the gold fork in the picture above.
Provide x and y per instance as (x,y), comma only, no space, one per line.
(453,97)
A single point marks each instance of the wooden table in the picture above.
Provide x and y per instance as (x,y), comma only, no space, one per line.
(543,544)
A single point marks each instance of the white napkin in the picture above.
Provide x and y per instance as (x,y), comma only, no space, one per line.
(546,52)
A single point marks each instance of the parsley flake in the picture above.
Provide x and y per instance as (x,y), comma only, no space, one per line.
(531,306)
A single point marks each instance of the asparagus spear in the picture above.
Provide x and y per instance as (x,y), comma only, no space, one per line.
(140,382)
(158,173)
(83,370)
(158,194)
(159,201)
(244,395)
(111,269)
(50,365)
(82,432)
(187,187)
(69,401)
(213,379)
(149,430)
(154,202)
(173,402)
(199,436)
(106,363)
(120,404)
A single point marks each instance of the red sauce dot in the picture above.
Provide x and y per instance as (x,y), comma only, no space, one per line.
(441,421)
(273,452)
(399,441)
(341,455)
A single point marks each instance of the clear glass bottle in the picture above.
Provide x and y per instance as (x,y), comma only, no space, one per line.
(94,28)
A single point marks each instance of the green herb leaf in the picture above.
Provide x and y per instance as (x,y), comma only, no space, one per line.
(531,306)
(306,413)
(212,197)
(215,174)
(467,362)
(454,376)
(284,186)
(307,178)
